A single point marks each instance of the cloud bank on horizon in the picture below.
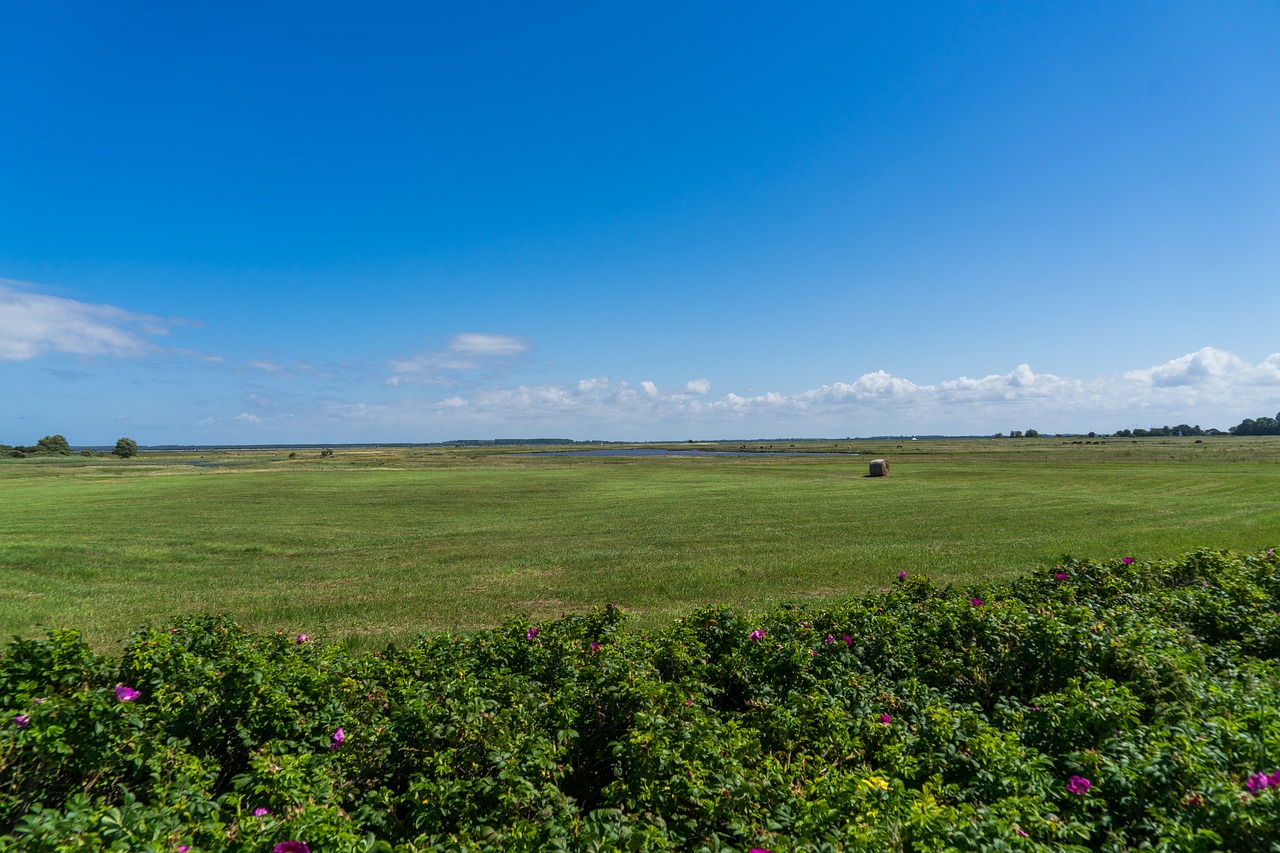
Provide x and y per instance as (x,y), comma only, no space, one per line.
(1209,387)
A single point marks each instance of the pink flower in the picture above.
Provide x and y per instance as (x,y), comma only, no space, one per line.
(976,602)
(885,719)
(291,847)
(1258,781)
(757,635)
(183,848)
(759,850)
(848,641)
(902,575)
(531,633)
(595,647)
(126,694)
(1060,576)
(338,737)
(301,638)
(22,721)
(261,812)
(1078,785)
(1127,560)
(1021,832)
(829,640)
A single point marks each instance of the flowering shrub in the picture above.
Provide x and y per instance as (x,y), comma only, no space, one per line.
(1093,706)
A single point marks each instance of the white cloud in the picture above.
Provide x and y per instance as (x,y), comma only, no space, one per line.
(464,353)
(698,386)
(33,324)
(1198,368)
(1207,387)
(487,345)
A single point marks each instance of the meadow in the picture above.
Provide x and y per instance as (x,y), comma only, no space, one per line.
(377,545)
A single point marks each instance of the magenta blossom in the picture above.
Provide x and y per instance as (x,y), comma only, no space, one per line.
(1258,781)
(1022,833)
(848,641)
(885,719)
(183,848)
(902,575)
(338,737)
(595,647)
(1078,785)
(759,850)
(22,721)
(126,694)
(757,634)
(1061,576)
(976,602)
(291,847)
(531,633)
(1127,560)
(260,811)
(301,638)
(829,640)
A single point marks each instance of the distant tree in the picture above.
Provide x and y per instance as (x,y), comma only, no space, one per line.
(998,435)
(125,448)
(1016,433)
(54,444)
(1031,433)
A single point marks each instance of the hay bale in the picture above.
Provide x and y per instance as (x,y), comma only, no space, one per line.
(879,468)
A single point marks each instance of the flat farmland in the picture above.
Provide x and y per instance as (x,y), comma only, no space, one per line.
(375,545)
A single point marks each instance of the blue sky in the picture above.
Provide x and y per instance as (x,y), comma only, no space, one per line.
(269,222)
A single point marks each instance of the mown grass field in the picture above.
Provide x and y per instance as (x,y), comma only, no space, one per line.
(377,545)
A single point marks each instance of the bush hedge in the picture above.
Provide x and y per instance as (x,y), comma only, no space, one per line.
(1092,706)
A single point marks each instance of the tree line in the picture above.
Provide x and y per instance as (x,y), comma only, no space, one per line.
(57,445)
(1249,426)
(1260,426)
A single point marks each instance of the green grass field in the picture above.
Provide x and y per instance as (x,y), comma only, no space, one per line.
(372,546)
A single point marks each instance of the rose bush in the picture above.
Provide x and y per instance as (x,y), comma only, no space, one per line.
(1100,706)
